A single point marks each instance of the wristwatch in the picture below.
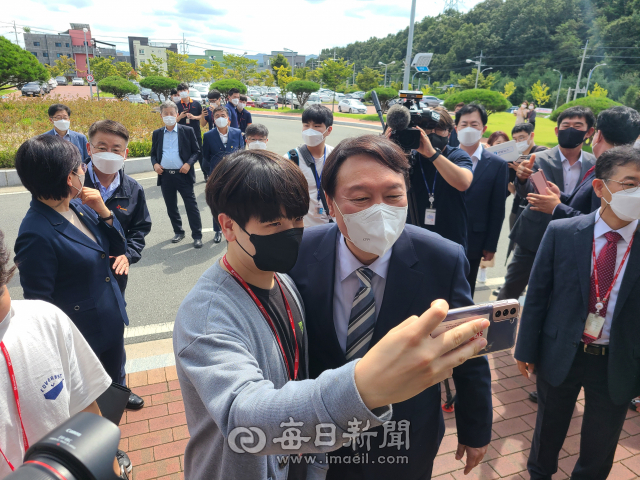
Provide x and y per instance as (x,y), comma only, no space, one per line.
(435,155)
(106,219)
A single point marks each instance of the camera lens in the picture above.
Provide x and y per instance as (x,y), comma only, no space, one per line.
(506,312)
(498,313)
(513,311)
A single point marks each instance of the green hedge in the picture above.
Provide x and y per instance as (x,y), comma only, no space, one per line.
(492,101)
(596,104)
(139,149)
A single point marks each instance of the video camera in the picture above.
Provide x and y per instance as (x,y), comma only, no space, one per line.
(82,448)
(406,115)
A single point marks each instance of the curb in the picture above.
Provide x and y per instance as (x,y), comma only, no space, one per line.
(298,117)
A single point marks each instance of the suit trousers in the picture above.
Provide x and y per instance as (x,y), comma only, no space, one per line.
(474,267)
(113,360)
(601,424)
(518,272)
(170,185)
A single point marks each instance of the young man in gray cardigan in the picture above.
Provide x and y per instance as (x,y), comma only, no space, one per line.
(241,347)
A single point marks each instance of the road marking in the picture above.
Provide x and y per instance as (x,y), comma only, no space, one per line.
(144,330)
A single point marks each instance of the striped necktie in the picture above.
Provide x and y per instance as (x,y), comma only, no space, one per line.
(363,316)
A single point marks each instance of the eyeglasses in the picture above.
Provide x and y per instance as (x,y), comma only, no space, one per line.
(116,150)
(55,119)
(627,187)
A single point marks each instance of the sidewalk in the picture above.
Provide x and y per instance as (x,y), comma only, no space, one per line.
(155,437)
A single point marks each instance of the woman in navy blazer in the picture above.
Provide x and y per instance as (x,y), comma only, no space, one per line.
(58,260)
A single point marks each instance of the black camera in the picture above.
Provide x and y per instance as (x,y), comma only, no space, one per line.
(405,115)
(82,448)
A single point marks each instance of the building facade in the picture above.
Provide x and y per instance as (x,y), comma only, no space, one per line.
(141,49)
(209,56)
(292,57)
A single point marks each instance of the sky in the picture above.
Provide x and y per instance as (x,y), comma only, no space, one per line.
(254,26)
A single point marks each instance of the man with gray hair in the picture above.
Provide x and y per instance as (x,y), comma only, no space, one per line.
(174,150)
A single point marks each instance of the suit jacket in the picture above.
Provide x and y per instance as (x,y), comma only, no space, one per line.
(557,303)
(485,200)
(61,265)
(531,225)
(77,138)
(214,150)
(187,145)
(423,267)
(582,201)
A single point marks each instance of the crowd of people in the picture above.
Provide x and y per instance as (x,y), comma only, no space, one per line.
(340,263)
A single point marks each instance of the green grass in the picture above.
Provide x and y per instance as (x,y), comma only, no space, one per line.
(104,95)
(544,133)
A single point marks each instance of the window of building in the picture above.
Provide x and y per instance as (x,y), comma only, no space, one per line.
(45,54)
(36,44)
(86,43)
(141,51)
(58,44)
(66,45)
(34,54)
(58,55)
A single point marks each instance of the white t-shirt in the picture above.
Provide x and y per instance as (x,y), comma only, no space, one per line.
(314,218)
(57,374)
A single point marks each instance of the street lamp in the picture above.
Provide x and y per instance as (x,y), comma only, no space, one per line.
(86,51)
(589,78)
(385,70)
(407,62)
(478,65)
(292,62)
(559,87)
(490,68)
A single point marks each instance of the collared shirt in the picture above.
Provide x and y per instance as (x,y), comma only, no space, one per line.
(346,285)
(171,150)
(224,136)
(599,230)
(194,108)
(66,136)
(571,173)
(244,119)
(475,157)
(105,193)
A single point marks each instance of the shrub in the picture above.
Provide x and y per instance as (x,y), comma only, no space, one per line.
(161,86)
(117,86)
(492,101)
(596,104)
(223,86)
(384,95)
(302,89)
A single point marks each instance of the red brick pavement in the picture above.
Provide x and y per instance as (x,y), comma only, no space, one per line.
(155,437)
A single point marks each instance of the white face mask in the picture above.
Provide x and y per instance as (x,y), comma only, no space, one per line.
(184,94)
(521,147)
(222,122)
(107,162)
(175,99)
(375,229)
(530,107)
(169,120)
(242,105)
(62,125)
(235,101)
(523,105)
(637,144)
(312,138)
(626,206)
(469,136)
(257,146)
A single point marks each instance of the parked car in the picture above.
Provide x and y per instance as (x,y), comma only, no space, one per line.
(134,98)
(52,83)
(352,106)
(267,102)
(145,93)
(512,108)
(359,95)
(320,97)
(154,98)
(62,80)
(286,98)
(33,89)
(273,95)
(250,102)
(431,101)
(77,82)
(195,95)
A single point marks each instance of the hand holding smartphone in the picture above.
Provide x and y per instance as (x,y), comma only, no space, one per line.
(539,182)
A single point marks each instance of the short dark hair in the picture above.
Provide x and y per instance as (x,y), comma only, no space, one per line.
(173,91)
(44,163)
(213,94)
(383,150)
(182,86)
(256,130)
(445,122)
(619,125)
(607,163)
(578,111)
(56,107)
(109,126)
(219,109)
(243,98)
(461,104)
(317,113)
(6,271)
(257,184)
(470,108)
(495,135)
(232,91)
(523,127)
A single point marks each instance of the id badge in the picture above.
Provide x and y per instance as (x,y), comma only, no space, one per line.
(320,211)
(188,121)
(594,325)
(430,216)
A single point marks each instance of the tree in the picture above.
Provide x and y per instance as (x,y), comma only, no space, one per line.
(509,88)
(384,95)
(540,93)
(102,67)
(492,101)
(215,71)
(240,67)
(117,86)
(596,104)
(18,67)
(598,91)
(179,68)
(26,29)
(63,66)
(301,73)
(368,78)
(284,79)
(223,86)
(333,73)
(161,86)
(267,79)
(631,97)
(125,70)
(279,61)
(153,68)
(483,82)
(302,89)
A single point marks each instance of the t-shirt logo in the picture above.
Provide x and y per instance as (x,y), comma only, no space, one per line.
(52,386)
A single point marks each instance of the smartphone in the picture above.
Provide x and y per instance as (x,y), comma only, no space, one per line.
(520,159)
(539,181)
(503,316)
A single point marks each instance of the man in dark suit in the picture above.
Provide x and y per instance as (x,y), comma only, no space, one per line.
(218,143)
(60,118)
(580,328)
(565,165)
(485,198)
(359,277)
(174,150)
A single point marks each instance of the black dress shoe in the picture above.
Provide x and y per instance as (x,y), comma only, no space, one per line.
(177,238)
(533,396)
(135,402)
(217,238)
(197,243)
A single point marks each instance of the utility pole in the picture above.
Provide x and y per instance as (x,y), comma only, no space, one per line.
(584,55)
(407,63)
(559,87)
(479,67)
(15,29)
(354,73)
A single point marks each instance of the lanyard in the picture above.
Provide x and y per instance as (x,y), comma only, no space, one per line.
(14,384)
(318,178)
(187,107)
(268,318)
(600,303)
(430,192)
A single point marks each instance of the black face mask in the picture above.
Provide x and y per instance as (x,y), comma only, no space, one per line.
(437,141)
(570,137)
(277,252)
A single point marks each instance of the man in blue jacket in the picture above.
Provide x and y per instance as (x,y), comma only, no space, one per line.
(60,118)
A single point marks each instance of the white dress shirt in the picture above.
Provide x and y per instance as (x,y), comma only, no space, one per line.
(224,137)
(346,285)
(476,157)
(570,173)
(599,231)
